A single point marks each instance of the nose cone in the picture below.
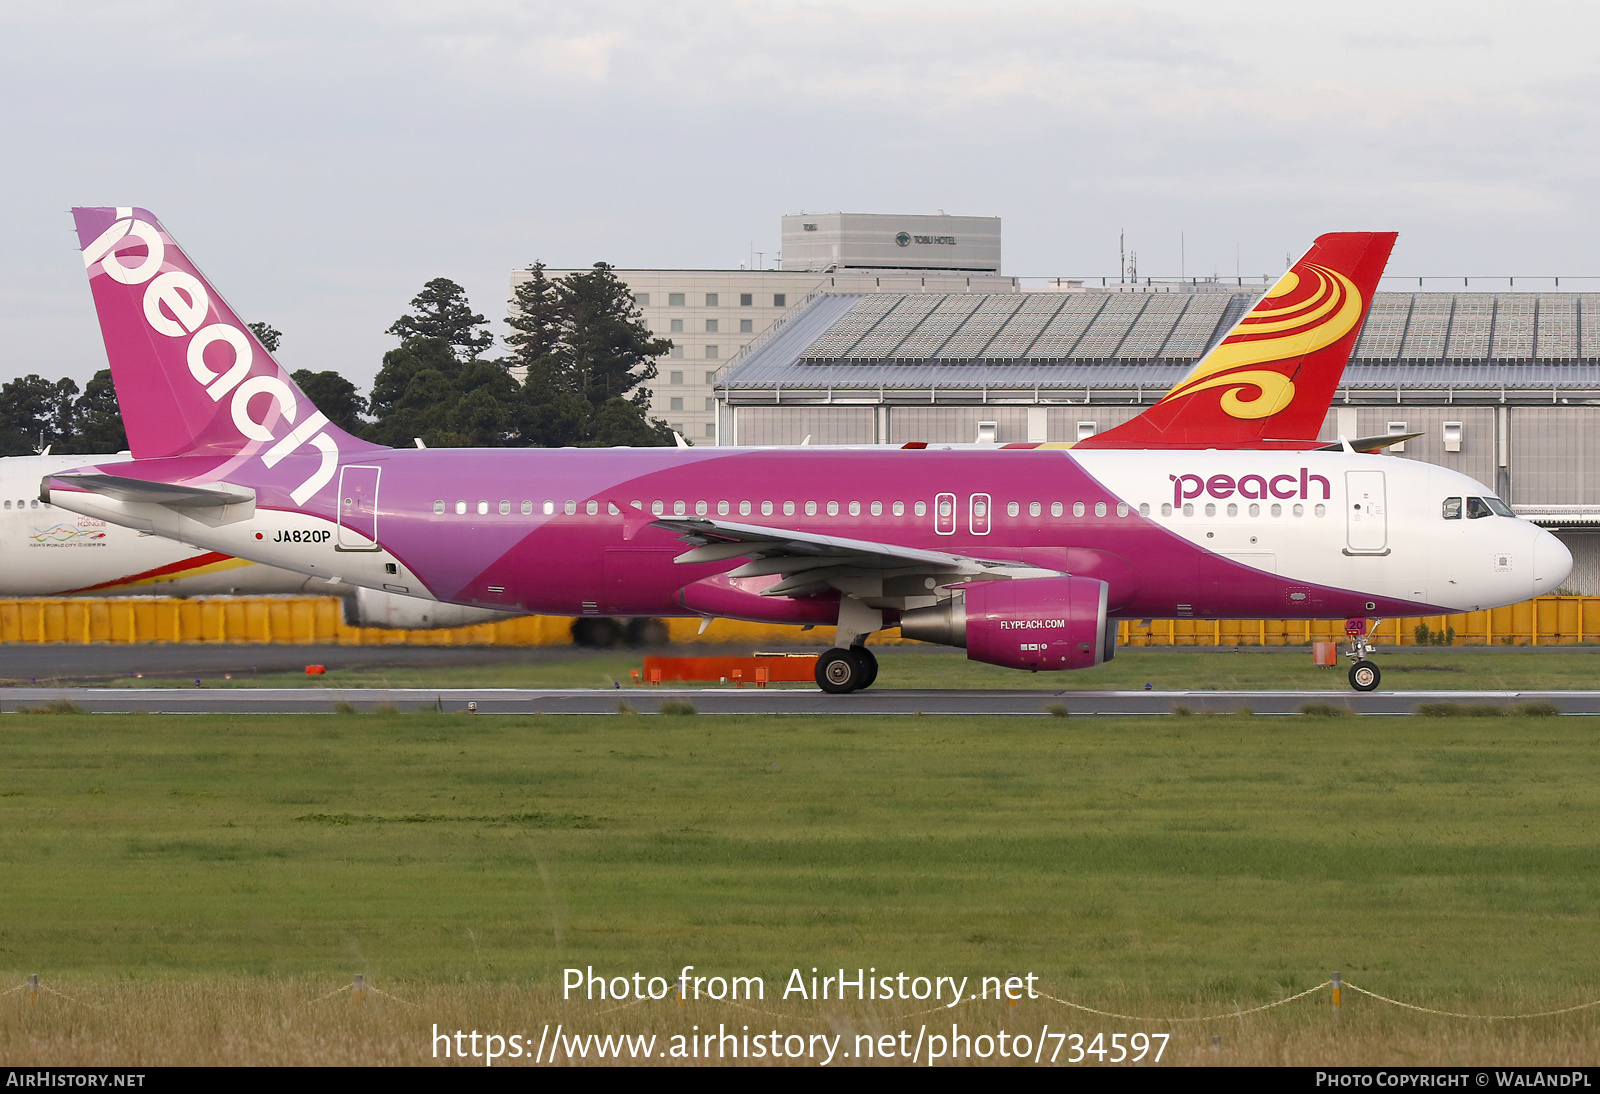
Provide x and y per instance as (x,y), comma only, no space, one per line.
(1552,562)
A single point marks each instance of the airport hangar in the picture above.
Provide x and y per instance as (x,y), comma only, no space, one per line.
(889,329)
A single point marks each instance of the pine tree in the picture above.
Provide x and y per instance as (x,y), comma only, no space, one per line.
(442,312)
(535,319)
(582,349)
(610,351)
(268,335)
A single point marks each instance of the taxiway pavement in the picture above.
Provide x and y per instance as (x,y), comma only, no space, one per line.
(314,700)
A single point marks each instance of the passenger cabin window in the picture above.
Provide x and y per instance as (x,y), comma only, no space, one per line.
(505,507)
(1452,508)
(527,508)
(438,506)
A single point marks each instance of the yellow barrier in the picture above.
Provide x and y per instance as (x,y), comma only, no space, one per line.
(1545,621)
(308,620)
(304,620)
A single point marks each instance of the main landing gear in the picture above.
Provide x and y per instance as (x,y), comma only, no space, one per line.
(849,666)
(1364,675)
(842,670)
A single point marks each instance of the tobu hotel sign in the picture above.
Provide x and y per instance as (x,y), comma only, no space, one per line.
(906,239)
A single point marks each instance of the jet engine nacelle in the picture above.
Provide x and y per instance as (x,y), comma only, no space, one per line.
(372,608)
(1036,623)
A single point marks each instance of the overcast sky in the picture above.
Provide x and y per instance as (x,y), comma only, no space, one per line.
(321,161)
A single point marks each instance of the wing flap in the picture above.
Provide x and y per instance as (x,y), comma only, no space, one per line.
(807,563)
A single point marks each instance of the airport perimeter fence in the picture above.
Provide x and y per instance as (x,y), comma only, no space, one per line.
(313,620)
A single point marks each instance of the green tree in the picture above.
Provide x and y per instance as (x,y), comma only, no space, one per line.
(335,396)
(608,348)
(584,352)
(413,390)
(442,312)
(267,335)
(35,413)
(98,419)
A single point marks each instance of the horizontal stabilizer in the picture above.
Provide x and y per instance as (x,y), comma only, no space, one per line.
(1371,444)
(213,503)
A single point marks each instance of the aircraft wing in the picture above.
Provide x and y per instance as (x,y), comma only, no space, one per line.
(809,563)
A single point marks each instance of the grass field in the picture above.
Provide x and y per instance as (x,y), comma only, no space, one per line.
(193,882)
(1407,669)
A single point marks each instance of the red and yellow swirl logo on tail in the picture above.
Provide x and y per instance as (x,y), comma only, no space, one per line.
(1310,307)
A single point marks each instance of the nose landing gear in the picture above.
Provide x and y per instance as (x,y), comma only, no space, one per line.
(1364,675)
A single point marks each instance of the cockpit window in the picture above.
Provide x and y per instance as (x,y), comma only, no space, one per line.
(1501,509)
(1452,508)
(1477,507)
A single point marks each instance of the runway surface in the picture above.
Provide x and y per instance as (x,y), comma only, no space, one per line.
(312,700)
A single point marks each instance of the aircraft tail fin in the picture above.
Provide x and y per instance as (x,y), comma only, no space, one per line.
(1274,375)
(191,378)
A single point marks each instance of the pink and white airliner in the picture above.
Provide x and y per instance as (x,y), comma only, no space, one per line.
(1026,557)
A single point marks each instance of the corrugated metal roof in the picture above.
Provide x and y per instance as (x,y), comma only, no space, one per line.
(1464,341)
